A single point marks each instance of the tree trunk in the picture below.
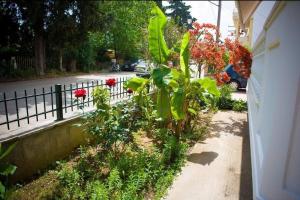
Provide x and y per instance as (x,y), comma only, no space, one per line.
(73,65)
(39,52)
(61,60)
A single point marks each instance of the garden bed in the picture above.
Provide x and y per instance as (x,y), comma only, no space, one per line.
(142,171)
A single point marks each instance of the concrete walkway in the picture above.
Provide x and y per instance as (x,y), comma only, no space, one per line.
(219,167)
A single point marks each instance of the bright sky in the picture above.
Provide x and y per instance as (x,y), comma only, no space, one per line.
(206,12)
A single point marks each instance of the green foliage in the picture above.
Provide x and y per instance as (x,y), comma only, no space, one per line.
(162,185)
(8,72)
(101,98)
(239,106)
(136,84)
(173,34)
(71,181)
(5,168)
(210,86)
(225,101)
(96,190)
(185,55)
(125,26)
(157,45)
(114,180)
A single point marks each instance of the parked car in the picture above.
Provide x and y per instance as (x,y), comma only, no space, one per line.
(143,66)
(129,65)
(143,69)
(236,81)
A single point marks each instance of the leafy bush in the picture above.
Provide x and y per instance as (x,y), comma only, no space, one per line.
(96,190)
(225,101)
(71,181)
(239,106)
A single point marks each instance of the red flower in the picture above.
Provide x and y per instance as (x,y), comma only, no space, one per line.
(111,82)
(222,78)
(80,93)
(129,90)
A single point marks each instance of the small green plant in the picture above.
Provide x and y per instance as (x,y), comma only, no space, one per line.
(225,102)
(6,169)
(239,106)
(97,190)
(71,181)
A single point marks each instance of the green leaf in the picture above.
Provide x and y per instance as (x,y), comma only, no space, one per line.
(4,153)
(172,79)
(158,75)
(7,169)
(184,54)
(163,104)
(191,110)
(209,85)
(177,104)
(2,190)
(136,83)
(157,45)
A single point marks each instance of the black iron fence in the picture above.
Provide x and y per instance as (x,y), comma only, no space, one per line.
(54,102)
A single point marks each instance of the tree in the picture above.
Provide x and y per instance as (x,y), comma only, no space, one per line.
(126,26)
(69,27)
(180,13)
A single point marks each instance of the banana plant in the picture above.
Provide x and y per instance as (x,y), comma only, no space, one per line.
(175,89)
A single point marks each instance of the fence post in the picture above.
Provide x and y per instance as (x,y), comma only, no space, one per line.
(58,96)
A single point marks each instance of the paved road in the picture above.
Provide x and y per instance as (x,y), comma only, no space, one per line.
(19,87)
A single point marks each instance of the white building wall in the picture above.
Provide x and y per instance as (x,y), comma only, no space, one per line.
(274,102)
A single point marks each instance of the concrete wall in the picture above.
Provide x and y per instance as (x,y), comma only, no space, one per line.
(274,103)
(37,149)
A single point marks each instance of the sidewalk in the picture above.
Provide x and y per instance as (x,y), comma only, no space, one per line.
(219,167)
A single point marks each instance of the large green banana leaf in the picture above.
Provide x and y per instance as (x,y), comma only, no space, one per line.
(157,45)
(136,83)
(209,85)
(177,104)
(184,55)
(163,104)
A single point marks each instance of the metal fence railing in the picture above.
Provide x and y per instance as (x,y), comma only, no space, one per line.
(51,103)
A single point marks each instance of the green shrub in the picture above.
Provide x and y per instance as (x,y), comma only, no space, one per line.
(114,180)
(162,184)
(96,190)
(71,181)
(225,101)
(239,106)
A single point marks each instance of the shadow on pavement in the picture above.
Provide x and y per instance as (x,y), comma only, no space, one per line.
(203,158)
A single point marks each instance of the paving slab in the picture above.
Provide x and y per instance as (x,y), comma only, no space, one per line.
(219,167)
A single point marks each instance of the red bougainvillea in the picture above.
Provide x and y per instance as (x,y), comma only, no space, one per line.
(222,78)
(205,50)
(111,82)
(80,93)
(240,57)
